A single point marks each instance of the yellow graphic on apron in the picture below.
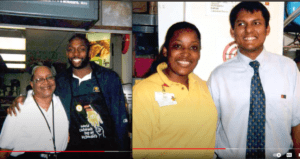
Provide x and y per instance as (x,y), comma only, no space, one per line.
(93,117)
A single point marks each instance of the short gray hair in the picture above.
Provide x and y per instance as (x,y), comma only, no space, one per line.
(39,64)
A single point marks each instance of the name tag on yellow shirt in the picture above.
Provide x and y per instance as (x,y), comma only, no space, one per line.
(164,99)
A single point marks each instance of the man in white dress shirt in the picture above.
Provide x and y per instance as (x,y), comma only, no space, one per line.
(43,124)
(231,87)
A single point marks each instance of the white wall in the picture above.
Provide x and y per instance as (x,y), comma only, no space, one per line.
(214,30)
(122,63)
(168,14)
(127,64)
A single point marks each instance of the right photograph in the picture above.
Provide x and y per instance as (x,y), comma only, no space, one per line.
(215,80)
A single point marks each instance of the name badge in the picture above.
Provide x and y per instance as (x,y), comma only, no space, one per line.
(164,99)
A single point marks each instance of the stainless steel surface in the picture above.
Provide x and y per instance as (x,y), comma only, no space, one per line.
(291,17)
(144,19)
(144,29)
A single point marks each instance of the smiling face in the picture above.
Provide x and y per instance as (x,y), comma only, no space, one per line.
(43,89)
(250,33)
(182,53)
(77,53)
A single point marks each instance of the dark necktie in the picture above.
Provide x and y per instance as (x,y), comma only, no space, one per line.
(257,117)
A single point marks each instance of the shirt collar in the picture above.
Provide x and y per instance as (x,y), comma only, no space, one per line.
(30,99)
(246,60)
(166,80)
(85,78)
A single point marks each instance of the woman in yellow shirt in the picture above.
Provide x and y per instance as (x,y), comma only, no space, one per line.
(173,111)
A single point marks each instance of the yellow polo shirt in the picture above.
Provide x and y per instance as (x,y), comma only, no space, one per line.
(189,121)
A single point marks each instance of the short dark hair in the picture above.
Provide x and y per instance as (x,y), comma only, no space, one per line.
(82,37)
(249,7)
(178,26)
(297,59)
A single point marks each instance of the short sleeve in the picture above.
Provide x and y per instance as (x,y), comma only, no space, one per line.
(9,132)
(296,98)
(212,86)
(144,122)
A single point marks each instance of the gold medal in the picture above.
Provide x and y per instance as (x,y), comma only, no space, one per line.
(79,108)
(96,89)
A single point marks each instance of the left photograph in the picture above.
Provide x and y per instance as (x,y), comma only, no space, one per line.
(65,79)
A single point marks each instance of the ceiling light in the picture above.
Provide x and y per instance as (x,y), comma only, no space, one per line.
(13,57)
(15,65)
(11,27)
(8,43)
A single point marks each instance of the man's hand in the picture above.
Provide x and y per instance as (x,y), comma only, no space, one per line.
(296,139)
(11,109)
(4,153)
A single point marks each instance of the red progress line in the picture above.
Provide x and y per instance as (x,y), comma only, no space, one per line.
(83,151)
(178,148)
(52,151)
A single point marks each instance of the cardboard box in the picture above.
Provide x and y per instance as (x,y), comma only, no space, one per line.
(152,7)
(139,7)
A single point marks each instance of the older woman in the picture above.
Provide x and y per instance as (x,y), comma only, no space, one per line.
(43,124)
(173,108)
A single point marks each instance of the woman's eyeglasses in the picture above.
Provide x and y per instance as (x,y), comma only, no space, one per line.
(42,80)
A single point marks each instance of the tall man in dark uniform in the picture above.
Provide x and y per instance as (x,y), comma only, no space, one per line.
(94,102)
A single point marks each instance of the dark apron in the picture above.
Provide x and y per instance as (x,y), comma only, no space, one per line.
(91,126)
(35,155)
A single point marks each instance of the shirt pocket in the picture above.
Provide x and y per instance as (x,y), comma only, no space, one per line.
(278,107)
